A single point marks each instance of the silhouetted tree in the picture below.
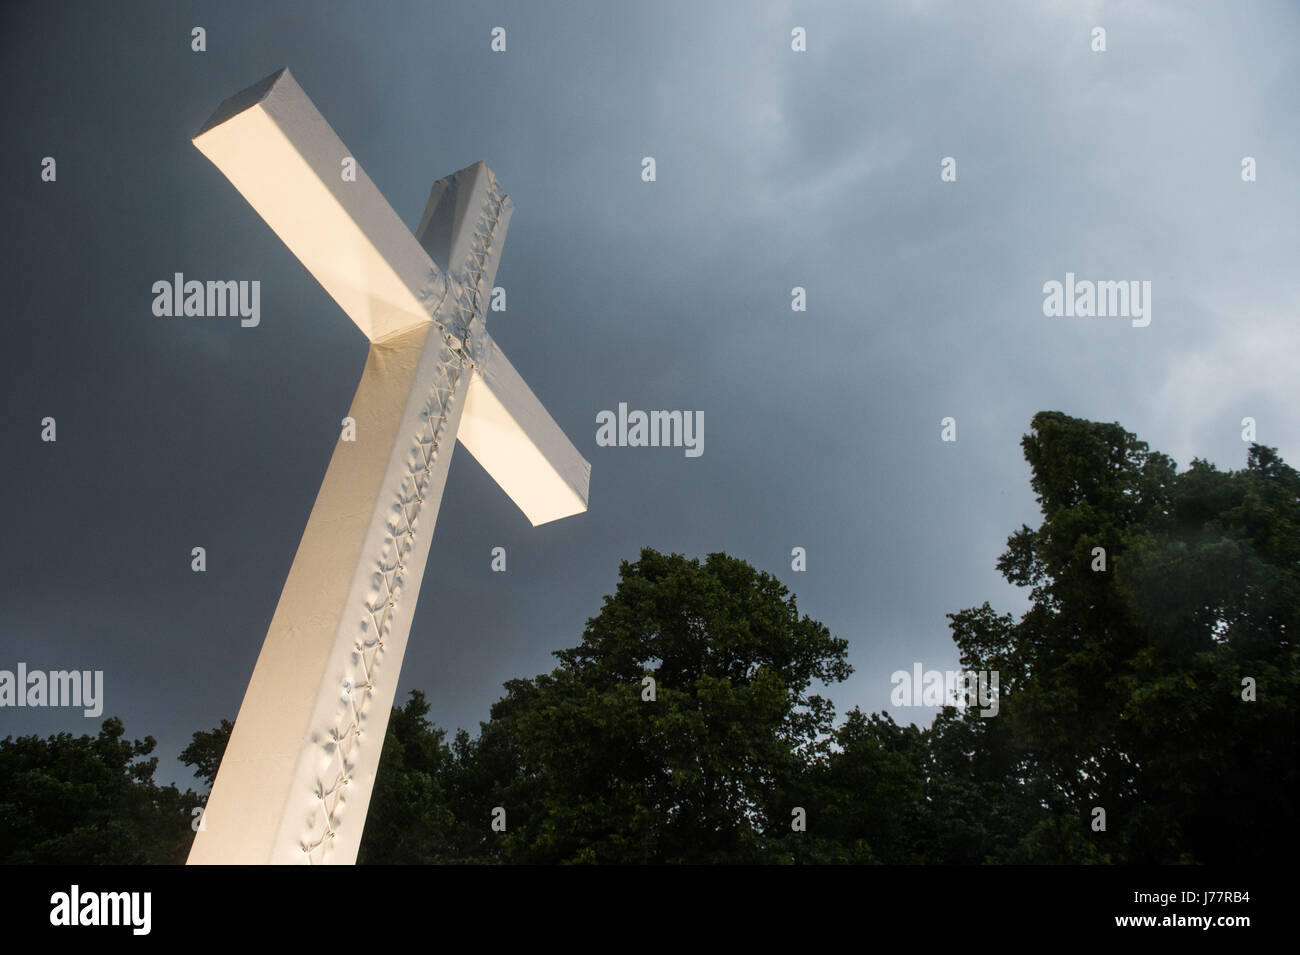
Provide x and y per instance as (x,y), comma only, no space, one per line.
(68,799)
(1123,682)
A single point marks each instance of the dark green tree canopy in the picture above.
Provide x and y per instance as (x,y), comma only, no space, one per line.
(89,799)
(1157,597)
(602,773)
(205,751)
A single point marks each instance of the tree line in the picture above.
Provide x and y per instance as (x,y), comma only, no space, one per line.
(1154,677)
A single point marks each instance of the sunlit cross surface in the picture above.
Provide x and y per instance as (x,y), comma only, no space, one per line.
(296,778)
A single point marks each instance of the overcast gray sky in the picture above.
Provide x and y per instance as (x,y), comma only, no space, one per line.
(775,169)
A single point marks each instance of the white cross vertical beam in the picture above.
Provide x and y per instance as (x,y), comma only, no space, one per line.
(296,778)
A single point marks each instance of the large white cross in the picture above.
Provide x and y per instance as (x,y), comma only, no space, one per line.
(296,777)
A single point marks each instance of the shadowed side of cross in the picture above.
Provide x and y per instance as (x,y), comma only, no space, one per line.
(504,426)
(297,774)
